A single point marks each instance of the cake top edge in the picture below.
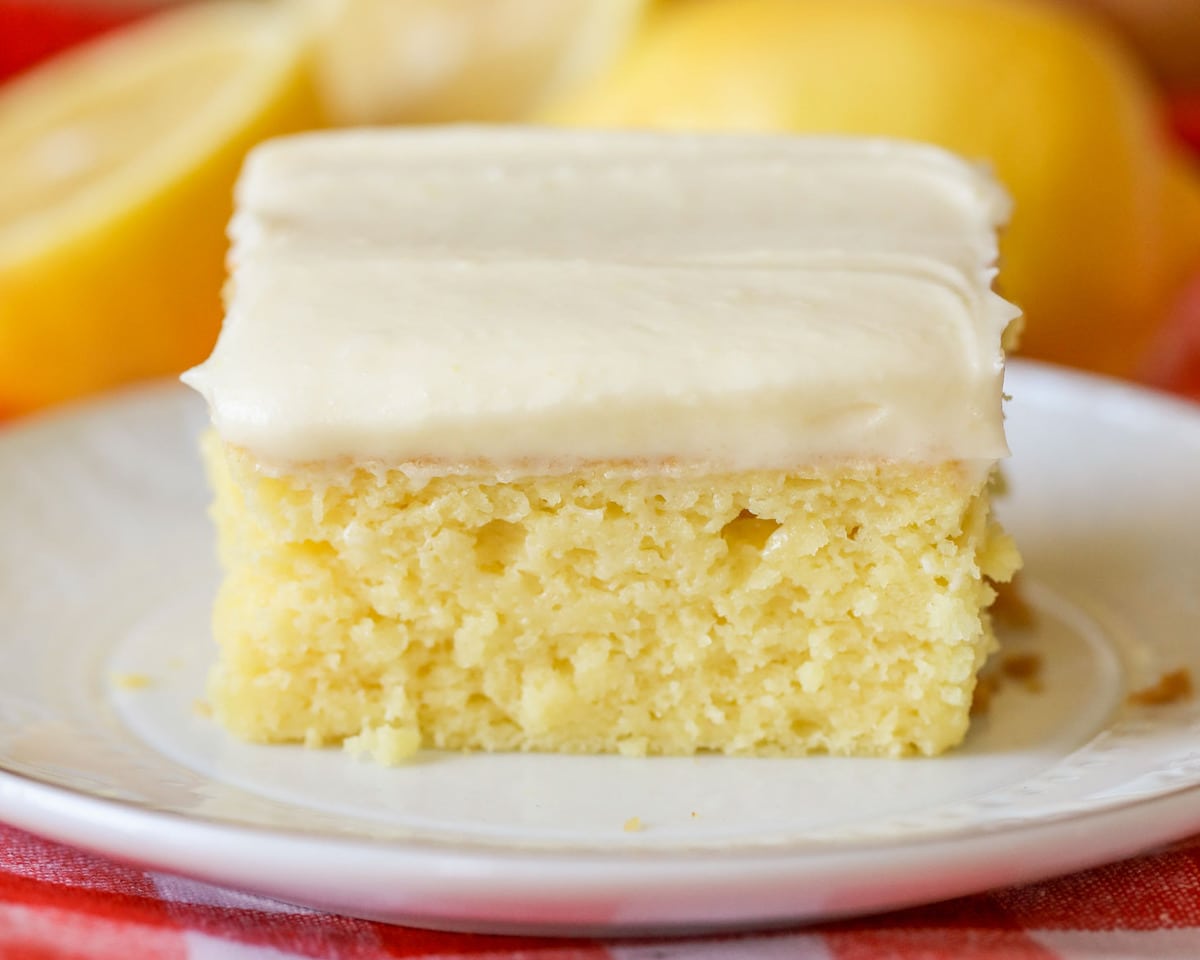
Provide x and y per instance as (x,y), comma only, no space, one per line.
(422,142)
(516,294)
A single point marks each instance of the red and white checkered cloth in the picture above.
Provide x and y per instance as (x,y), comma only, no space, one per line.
(57,903)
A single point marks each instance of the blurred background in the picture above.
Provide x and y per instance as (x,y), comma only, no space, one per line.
(123,124)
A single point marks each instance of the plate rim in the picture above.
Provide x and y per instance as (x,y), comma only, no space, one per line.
(729,850)
(168,842)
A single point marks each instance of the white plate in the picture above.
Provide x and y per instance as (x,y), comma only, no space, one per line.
(105,568)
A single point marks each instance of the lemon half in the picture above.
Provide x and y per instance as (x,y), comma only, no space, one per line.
(117,162)
(434,61)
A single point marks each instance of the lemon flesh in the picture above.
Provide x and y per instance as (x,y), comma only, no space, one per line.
(116,169)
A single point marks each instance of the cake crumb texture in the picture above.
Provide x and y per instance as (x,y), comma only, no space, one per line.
(840,609)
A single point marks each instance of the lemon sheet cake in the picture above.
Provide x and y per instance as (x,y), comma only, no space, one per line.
(599,442)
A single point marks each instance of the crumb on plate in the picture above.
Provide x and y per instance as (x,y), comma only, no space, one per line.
(1026,667)
(386,745)
(131,681)
(986,689)
(1171,687)
(1010,608)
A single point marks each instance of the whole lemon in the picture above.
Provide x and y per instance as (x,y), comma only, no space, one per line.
(1105,224)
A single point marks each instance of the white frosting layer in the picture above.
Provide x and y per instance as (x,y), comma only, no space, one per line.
(527,296)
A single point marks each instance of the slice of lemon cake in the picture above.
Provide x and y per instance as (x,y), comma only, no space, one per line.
(650,443)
